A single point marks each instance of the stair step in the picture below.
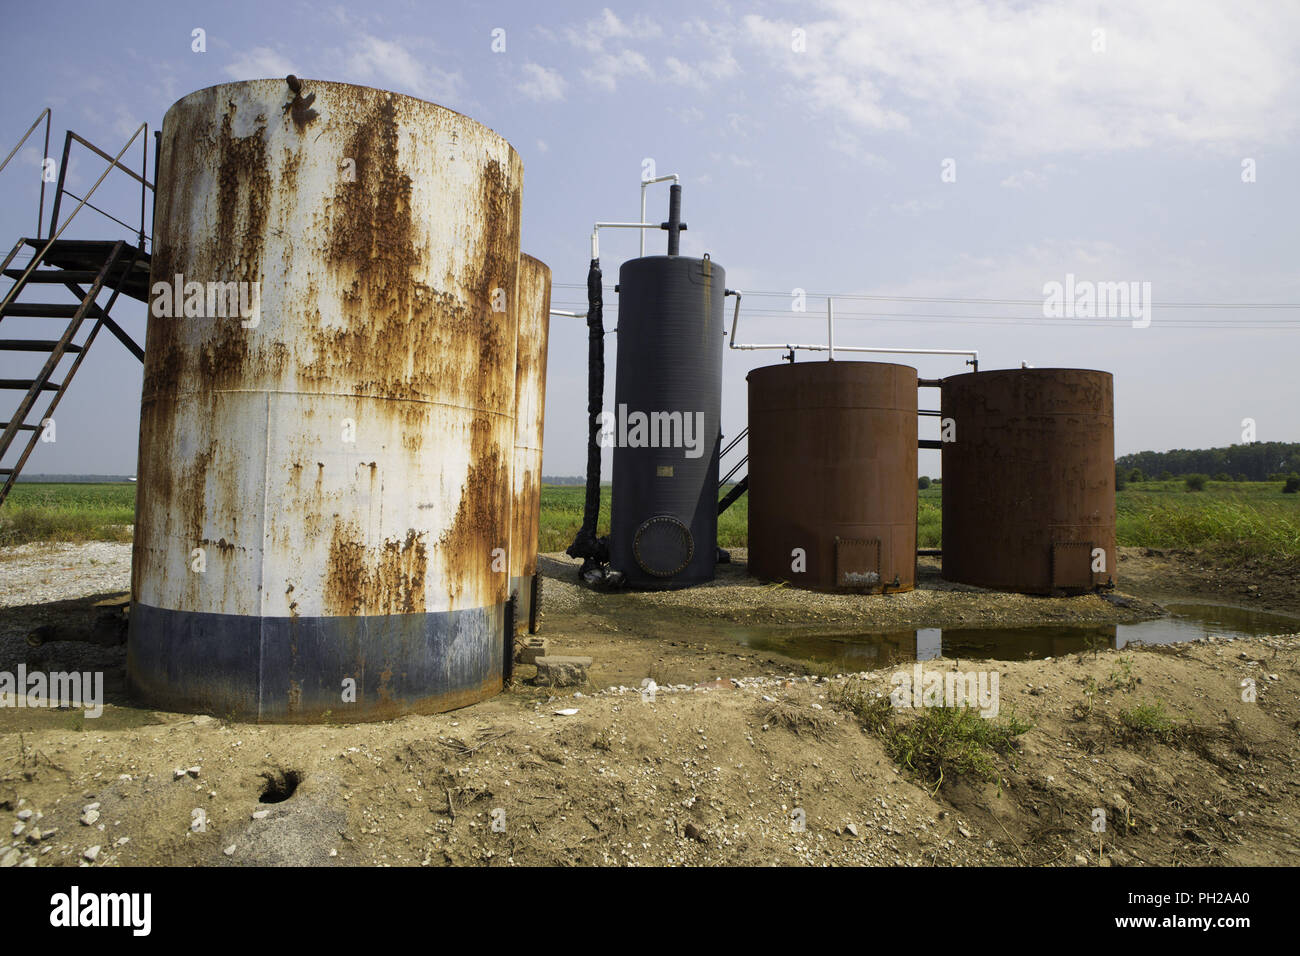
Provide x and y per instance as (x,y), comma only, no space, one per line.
(34,345)
(45,310)
(21,428)
(25,384)
(55,275)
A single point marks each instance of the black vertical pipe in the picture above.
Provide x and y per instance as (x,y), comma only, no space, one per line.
(674,218)
(585,544)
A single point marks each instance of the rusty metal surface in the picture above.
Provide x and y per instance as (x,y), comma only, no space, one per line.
(530,407)
(379,227)
(1029,482)
(832,469)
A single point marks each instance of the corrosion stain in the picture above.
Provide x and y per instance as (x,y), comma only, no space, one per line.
(480,525)
(300,111)
(243,197)
(360,581)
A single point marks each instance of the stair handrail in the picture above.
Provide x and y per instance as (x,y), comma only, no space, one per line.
(40,256)
(44,114)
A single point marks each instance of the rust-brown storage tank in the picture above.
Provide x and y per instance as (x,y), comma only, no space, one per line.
(323,508)
(832,475)
(1029,479)
(530,405)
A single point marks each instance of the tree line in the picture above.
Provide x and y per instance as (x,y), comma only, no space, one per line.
(1258,461)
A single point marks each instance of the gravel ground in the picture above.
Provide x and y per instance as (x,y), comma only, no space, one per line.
(42,573)
(735,596)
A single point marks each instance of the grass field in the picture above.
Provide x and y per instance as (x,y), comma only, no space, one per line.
(39,511)
(1239,520)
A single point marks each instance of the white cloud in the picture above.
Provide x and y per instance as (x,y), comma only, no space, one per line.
(608,68)
(1025,179)
(542,84)
(593,34)
(542,147)
(1027,77)
(388,62)
(261,62)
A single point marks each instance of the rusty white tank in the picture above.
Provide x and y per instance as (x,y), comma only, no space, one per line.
(327,431)
(530,407)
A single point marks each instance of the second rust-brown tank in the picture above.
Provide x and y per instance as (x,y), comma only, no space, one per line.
(832,475)
(1029,479)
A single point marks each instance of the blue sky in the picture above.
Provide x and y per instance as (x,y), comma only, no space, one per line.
(1105,141)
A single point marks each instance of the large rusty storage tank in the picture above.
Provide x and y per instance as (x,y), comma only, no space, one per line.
(1029,479)
(530,406)
(667,421)
(323,509)
(832,475)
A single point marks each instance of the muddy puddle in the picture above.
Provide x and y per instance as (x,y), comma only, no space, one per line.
(864,651)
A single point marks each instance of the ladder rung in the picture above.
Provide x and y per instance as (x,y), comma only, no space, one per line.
(46,310)
(34,345)
(21,428)
(55,275)
(25,384)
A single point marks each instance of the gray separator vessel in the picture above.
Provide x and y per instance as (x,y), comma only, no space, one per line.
(666,421)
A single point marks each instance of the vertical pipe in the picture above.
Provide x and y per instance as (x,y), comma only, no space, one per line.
(45,158)
(674,218)
(830,330)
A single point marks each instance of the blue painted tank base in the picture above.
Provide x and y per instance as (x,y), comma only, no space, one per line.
(312,669)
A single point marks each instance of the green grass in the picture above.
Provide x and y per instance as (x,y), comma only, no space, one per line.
(562,516)
(936,743)
(39,511)
(1235,520)
(1149,720)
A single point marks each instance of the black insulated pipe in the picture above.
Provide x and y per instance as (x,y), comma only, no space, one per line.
(674,225)
(586,545)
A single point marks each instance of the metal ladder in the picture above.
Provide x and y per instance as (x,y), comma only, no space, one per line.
(84,268)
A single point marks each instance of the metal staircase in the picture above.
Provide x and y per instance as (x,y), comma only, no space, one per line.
(79,270)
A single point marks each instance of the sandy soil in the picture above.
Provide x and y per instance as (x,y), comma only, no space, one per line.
(737,747)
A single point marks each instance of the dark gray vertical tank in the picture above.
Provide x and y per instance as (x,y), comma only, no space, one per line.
(667,420)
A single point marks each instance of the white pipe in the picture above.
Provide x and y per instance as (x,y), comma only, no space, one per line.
(571,315)
(831,347)
(830,328)
(650,182)
(595,232)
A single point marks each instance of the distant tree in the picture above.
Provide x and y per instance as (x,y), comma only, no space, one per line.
(1292,485)
(1121,479)
(1166,476)
(1196,482)
(937,481)
(1136,475)
(923,482)
(1223,476)
(1240,477)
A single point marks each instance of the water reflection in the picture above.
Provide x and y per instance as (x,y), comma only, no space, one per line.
(1186,622)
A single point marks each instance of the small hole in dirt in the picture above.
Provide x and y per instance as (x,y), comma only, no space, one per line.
(280,786)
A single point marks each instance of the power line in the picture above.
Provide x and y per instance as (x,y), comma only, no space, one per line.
(974,301)
(1045,322)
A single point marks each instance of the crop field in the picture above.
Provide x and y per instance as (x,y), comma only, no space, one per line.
(41,511)
(1243,520)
